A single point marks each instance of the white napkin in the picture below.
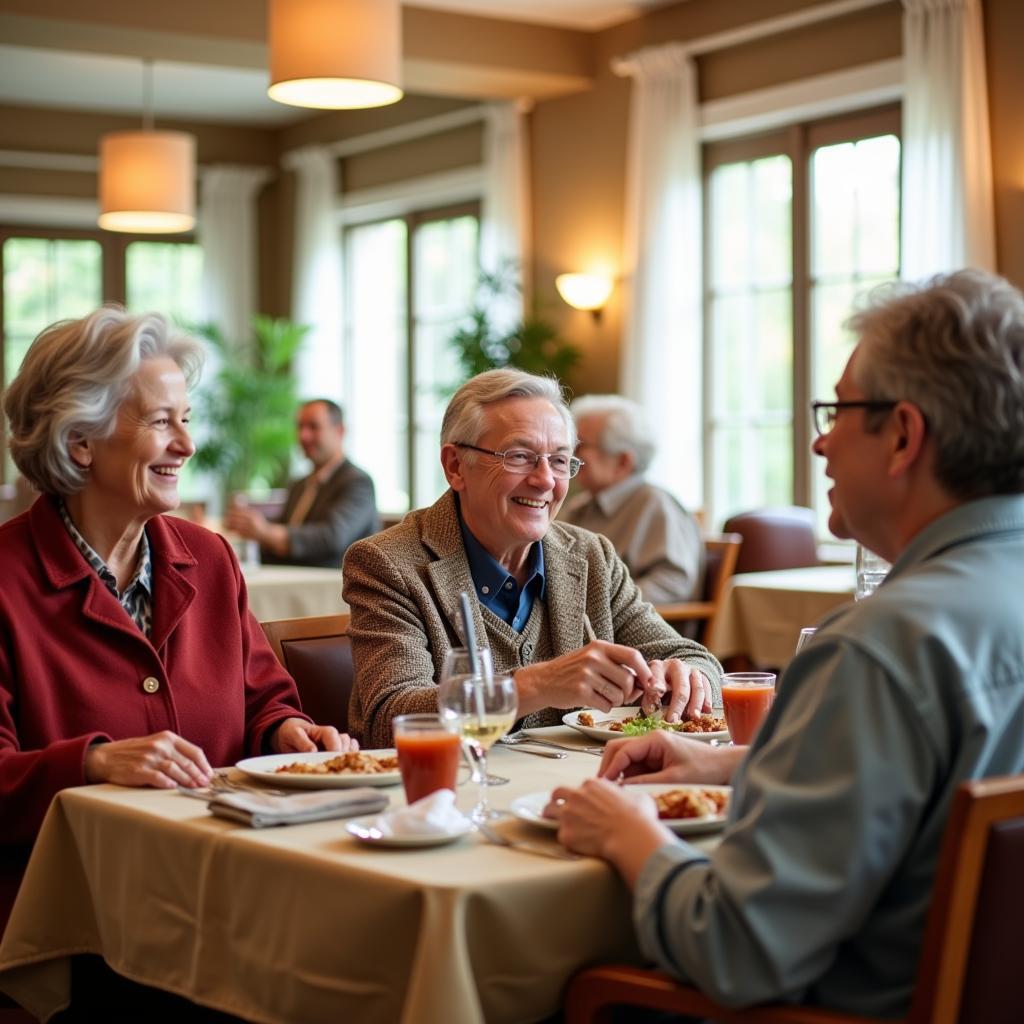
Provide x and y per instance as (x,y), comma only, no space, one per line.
(259,810)
(434,815)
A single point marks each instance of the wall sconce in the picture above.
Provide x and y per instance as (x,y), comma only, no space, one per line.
(335,54)
(585,291)
(148,178)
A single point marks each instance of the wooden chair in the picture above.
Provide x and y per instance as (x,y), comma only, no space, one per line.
(720,555)
(775,538)
(317,653)
(968,972)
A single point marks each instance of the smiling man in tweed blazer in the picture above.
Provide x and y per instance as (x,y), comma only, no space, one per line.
(507,443)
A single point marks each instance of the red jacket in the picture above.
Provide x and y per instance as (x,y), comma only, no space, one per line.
(73,663)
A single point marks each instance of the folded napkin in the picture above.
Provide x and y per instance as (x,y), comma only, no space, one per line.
(434,815)
(259,810)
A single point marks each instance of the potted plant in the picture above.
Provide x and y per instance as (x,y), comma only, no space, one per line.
(531,344)
(248,411)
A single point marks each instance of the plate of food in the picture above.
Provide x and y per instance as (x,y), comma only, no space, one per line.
(683,808)
(619,722)
(325,769)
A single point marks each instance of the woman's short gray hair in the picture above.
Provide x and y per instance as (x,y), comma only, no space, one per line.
(464,418)
(626,428)
(954,346)
(72,382)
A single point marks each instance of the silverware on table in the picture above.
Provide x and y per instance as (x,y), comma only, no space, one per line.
(513,738)
(492,835)
(542,752)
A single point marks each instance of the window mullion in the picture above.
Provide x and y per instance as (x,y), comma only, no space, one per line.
(802,359)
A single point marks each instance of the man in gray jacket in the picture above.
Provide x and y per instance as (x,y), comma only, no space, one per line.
(325,511)
(819,890)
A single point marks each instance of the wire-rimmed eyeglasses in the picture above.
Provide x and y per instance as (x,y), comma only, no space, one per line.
(522,460)
(824,413)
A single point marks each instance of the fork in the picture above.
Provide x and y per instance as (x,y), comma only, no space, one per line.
(222,783)
(492,835)
(513,738)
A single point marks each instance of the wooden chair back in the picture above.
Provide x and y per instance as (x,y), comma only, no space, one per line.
(968,972)
(317,653)
(720,556)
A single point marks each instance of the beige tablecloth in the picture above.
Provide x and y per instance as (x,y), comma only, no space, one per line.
(291,592)
(303,923)
(763,612)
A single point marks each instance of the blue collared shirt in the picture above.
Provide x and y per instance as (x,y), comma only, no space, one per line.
(496,588)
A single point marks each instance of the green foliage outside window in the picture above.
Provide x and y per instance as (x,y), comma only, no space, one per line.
(249,409)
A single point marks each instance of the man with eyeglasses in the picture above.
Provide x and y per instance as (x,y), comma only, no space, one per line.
(554,602)
(819,890)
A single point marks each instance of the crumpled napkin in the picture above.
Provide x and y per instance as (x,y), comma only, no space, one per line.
(258,810)
(433,815)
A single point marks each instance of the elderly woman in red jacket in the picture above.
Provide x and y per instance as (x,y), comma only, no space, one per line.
(127,650)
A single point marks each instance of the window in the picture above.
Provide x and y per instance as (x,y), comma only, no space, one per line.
(50,276)
(409,280)
(797,224)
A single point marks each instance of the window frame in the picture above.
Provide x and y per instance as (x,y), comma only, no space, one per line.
(797,141)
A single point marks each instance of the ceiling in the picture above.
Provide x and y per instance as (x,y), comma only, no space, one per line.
(89,71)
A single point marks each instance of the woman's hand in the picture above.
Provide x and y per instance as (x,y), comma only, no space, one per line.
(688,689)
(163,760)
(660,756)
(296,735)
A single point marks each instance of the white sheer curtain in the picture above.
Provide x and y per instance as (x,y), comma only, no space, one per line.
(661,366)
(505,212)
(317,272)
(948,219)
(227,235)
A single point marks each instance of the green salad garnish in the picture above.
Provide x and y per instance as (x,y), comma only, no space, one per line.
(641,726)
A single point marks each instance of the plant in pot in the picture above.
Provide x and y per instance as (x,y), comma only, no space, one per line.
(530,344)
(248,410)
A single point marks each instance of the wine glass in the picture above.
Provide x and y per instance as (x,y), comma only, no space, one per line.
(485,707)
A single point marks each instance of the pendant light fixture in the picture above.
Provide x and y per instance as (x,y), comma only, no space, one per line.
(335,54)
(147,178)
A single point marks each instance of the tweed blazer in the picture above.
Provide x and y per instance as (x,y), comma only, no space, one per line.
(403,587)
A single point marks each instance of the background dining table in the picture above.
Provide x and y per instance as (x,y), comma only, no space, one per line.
(292,591)
(763,612)
(306,923)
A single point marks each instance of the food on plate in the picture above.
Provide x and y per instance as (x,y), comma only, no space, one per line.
(637,725)
(355,763)
(691,803)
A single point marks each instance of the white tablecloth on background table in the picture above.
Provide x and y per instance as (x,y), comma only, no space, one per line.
(291,592)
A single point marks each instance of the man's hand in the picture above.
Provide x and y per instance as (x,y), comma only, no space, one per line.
(660,756)
(163,760)
(688,688)
(609,821)
(600,675)
(296,735)
(253,525)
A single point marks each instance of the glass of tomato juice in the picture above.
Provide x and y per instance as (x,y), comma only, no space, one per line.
(746,698)
(429,749)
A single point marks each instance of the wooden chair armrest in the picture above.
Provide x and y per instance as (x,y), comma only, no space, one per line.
(684,611)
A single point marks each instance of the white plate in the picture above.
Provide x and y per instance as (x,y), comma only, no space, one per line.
(363,830)
(530,808)
(618,714)
(264,769)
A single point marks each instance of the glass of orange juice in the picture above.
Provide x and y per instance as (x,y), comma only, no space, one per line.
(429,750)
(746,698)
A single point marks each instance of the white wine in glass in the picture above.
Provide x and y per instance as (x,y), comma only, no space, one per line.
(485,706)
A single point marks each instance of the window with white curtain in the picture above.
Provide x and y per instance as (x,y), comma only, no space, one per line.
(409,281)
(797,224)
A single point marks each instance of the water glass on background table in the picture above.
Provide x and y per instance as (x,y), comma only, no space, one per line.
(483,708)
(746,698)
(429,750)
(871,570)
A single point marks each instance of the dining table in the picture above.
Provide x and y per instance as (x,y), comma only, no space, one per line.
(307,923)
(762,613)
(292,591)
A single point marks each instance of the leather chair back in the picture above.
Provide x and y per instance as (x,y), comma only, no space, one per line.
(775,538)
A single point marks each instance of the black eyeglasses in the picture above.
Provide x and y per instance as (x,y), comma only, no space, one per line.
(824,413)
(522,460)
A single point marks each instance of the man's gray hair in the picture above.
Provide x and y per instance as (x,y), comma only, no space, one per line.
(72,382)
(626,428)
(954,346)
(464,418)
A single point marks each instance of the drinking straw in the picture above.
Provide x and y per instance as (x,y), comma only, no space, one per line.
(474,658)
